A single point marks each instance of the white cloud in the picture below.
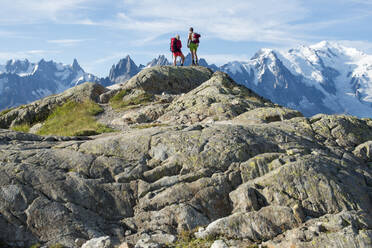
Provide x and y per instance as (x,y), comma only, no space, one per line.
(33,54)
(362,45)
(66,42)
(238,20)
(271,21)
(6,33)
(106,59)
(30,11)
(280,22)
(367,2)
(220,59)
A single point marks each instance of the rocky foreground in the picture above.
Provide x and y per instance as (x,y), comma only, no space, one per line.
(197,156)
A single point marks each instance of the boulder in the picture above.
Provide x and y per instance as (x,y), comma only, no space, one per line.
(101,242)
(169,79)
(219,98)
(41,109)
(219,244)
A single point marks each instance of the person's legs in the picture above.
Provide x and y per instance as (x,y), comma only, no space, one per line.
(195,55)
(192,56)
(192,50)
(178,54)
(183,58)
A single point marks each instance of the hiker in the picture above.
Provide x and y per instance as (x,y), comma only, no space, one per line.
(193,43)
(175,47)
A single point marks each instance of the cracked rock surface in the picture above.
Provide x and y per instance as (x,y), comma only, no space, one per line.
(226,163)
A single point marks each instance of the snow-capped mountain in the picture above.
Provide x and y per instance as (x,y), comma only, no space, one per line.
(323,78)
(22,81)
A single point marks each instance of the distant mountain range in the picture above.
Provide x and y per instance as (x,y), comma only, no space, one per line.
(22,81)
(323,78)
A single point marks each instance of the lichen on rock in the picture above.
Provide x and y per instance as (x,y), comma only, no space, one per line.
(202,156)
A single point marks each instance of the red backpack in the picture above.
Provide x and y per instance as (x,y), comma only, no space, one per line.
(195,38)
(175,45)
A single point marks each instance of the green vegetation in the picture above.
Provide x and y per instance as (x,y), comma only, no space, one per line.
(118,103)
(74,119)
(36,245)
(21,128)
(186,239)
(56,246)
(119,96)
(200,243)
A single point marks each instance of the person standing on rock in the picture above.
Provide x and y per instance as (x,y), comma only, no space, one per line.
(175,47)
(193,43)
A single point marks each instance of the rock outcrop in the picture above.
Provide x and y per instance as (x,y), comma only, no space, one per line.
(209,158)
(41,109)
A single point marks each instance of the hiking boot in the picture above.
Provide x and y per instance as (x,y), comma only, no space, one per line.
(193,63)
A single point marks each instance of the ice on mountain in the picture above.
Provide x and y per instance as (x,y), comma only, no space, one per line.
(234,67)
(29,70)
(35,69)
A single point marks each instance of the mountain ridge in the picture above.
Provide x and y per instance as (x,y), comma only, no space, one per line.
(323,78)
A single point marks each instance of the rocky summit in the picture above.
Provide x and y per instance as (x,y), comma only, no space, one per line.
(189,158)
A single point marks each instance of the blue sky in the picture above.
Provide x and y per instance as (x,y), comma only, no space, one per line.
(99,33)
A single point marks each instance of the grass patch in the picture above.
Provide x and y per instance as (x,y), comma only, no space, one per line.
(74,119)
(56,246)
(25,128)
(117,102)
(119,96)
(187,239)
(200,243)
